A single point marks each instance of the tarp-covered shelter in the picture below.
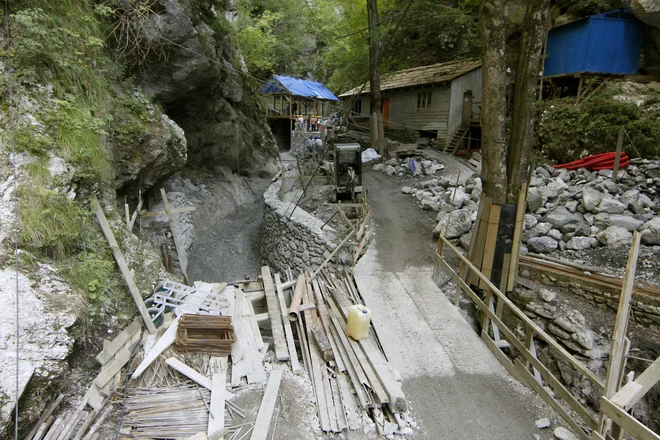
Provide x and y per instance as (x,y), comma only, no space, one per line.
(293,96)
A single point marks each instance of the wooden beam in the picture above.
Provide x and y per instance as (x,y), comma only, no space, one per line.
(123,267)
(144,214)
(621,324)
(183,261)
(125,336)
(288,332)
(265,414)
(627,422)
(190,373)
(279,341)
(634,390)
(163,343)
(217,406)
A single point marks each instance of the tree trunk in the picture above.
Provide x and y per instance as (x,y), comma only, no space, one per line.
(376,125)
(527,79)
(493,103)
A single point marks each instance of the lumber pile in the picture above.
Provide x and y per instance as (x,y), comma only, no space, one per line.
(176,383)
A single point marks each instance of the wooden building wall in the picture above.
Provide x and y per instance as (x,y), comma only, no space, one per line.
(469,81)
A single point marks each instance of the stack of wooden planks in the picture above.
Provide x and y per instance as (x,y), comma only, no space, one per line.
(174,412)
(205,334)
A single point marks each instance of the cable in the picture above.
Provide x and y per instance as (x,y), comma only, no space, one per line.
(16,226)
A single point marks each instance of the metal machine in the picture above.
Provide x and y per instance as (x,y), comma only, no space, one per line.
(348,171)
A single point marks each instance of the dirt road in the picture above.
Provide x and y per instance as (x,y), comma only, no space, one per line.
(456,387)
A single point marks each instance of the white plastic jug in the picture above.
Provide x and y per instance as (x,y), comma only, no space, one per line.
(359,318)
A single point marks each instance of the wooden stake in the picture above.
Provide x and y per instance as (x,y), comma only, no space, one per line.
(617,158)
(179,250)
(123,267)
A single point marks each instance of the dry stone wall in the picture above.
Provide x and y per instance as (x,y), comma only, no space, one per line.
(297,242)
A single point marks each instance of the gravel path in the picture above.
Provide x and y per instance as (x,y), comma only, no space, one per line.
(457,388)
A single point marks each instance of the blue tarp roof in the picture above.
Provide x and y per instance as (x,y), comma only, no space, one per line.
(298,87)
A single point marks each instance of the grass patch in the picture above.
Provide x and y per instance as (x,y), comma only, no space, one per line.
(51,224)
(39,172)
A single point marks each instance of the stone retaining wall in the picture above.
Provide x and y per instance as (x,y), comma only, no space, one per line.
(644,309)
(297,242)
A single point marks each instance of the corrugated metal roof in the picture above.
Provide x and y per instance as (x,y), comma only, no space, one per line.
(298,87)
(419,76)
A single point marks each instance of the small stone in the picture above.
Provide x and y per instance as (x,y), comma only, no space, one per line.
(543,423)
(406,190)
(614,236)
(547,295)
(389,170)
(581,243)
(562,433)
(406,431)
(611,205)
(542,245)
(530,221)
(535,199)
(555,233)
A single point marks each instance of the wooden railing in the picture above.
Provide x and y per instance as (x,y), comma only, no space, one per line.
(529,368)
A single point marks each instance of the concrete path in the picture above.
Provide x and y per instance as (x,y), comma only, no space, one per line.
(457,388)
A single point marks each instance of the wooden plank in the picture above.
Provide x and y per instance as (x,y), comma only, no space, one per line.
(113,346)
(265,414)
(123,267)
(533,384)
(504,360)
(316,365)
(85,426)
(614,371)
(217,406)
(112,368)
(41,429)
(190,373)
(340,413)
(519,313)
(131,222)
(521,209)
(634,390)
(291,344)
(163,343)
(491,239)
(144,214)
(54,429)
(397,400)
(626,421)
(44,416)
(480,238)
(279,340)
(183,261)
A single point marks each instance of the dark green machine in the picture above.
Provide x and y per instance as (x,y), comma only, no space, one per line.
(348,172)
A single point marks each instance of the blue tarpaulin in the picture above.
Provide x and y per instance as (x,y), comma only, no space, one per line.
(298,87)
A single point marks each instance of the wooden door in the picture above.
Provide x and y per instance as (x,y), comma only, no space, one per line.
(467,107)
(386,111)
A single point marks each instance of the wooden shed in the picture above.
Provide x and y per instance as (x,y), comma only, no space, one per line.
(443,99)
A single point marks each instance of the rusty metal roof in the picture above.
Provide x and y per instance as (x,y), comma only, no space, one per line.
(421,76)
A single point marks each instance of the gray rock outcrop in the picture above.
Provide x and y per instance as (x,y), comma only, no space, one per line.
(199,88)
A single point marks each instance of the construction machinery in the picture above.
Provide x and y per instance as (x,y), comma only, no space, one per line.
(348,172)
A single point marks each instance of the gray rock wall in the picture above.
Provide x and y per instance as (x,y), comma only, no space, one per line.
(645,309)
(297,242)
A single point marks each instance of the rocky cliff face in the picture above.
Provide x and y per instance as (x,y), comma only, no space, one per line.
(198,86)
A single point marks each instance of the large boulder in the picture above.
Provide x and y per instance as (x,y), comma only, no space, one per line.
(647,10)
(535,199)
(636,201)
(611,205)
(197,85)
(162,152)
(567,221)
(542,245)
(591,198)
(627,222)
(651,232)
(614,236)
(460,222)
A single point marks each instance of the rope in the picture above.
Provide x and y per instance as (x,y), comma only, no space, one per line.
(16,225)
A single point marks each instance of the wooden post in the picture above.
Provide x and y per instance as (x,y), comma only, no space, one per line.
(123,267)
(579,93)
(612,381)
(183,261)
(617,158)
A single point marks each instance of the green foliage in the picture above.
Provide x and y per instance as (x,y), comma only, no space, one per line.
(51,225)
(28,140)
(92,273)
(565,132)
(590,7)
(39,172)
(78,138)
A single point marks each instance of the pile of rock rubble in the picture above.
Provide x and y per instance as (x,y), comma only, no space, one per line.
(409,167)
(566,209)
